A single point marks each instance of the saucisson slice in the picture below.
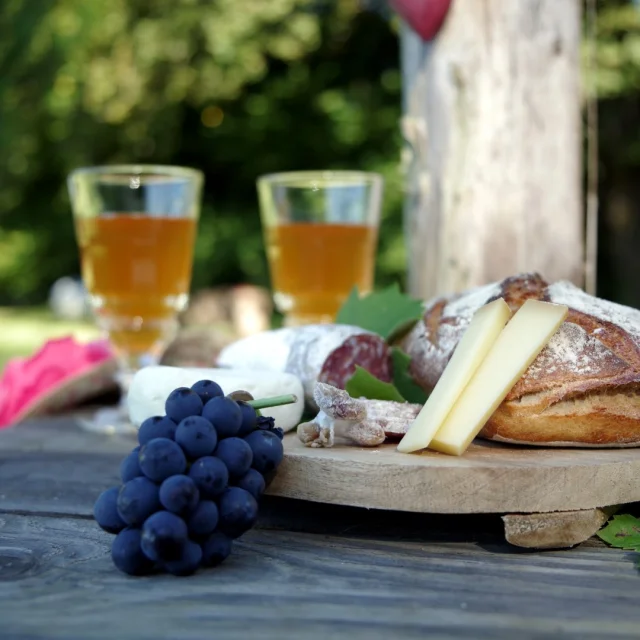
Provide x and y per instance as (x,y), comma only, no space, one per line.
(315,353)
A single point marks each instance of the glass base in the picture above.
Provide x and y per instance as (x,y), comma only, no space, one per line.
(110,421)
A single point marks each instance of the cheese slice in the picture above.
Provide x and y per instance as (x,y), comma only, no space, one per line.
(482,332)
(520,342)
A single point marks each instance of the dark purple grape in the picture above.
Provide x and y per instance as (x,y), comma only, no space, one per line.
(130,467)
(137,500)
(249,419)
(105,511)
(224,414)
(238,511)
(179,494)
(253,482)
(161,458)
(182,403)
(265,422)
(207,389)
(204,519)
(156,427)
(187,563)
(210,475)
(127,555)
(164,535)
(216,549)
(236,455)
(267,450)
(196,436)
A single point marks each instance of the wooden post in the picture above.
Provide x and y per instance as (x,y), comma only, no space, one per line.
(493,123)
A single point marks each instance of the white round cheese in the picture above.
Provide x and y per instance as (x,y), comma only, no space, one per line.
(151,386)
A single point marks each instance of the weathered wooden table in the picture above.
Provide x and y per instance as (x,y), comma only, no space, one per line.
(308,570)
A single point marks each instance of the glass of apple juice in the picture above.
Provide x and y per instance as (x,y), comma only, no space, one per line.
(321,233)
(135,227)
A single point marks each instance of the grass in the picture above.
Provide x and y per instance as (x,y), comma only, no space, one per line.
(25,329)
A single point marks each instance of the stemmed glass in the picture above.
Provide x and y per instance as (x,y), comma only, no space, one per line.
(135,226)
(321,234)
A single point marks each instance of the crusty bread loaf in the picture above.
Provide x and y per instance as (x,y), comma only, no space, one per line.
(582,390)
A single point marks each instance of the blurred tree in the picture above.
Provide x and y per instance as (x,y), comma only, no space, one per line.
(615,80)
(235,87)
(238,88)
(617,68)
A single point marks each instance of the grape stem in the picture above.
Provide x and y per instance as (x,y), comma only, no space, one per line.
(274,401)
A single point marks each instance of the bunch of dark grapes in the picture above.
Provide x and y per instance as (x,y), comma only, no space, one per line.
(192,485)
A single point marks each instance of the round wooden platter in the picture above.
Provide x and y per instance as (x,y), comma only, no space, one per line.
(488,478)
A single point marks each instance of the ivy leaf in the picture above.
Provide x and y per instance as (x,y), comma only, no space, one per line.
(402,379)
(388,312)
(622,532)
(363,384)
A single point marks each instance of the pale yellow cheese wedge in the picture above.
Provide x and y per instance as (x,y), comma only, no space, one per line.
(520,342)
(482,332)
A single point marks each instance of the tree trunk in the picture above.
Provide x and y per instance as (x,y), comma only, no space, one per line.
(492,117)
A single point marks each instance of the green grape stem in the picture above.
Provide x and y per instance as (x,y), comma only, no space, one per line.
(275,401)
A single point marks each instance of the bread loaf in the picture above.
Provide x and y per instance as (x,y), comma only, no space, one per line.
(582,390)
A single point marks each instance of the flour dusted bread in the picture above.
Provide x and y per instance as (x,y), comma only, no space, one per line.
(582,390)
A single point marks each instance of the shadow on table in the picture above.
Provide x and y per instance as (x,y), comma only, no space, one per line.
(298,515)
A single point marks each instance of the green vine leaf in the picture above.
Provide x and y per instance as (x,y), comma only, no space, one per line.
(388,312)
(363,384)
(622,532)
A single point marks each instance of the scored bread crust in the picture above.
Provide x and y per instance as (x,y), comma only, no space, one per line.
(583,389)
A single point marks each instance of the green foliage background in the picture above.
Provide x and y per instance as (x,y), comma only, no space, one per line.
(616,83)
(239,88)
(234,87)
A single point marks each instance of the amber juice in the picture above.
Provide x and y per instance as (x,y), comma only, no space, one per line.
(137,270)
(314,266)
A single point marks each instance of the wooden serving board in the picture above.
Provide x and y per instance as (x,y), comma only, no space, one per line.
(489,478)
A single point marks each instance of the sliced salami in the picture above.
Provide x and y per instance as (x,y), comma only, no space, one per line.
(326,353)
(368,351)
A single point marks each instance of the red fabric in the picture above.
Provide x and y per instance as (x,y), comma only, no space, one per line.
(425,17)
(27,380)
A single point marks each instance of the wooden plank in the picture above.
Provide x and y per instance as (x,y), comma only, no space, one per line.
(488,478)
(52,465)
(57,463)
(62,474)
(61,483)
(68,484)
(61,433)
(57,581)
(492,117)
